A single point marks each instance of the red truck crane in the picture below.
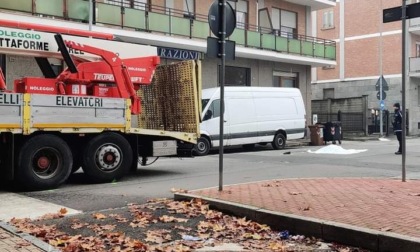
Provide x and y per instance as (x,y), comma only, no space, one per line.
(90,115)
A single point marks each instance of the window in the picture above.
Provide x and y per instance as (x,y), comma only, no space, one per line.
(204,103)
(241,8)
(284,22)
(215,110)
(285,79)
(417,50)
(136,4)
(169,5)
(123,3)
(328,19)
(288,22)
(236,76)
(189,7)
(140,4)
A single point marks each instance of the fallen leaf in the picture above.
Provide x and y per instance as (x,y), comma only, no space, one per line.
(414,194)
(306,208)
(385,229)
(22,244)
(99,216)
(178,190)
(294,193)
(167,219)
(78,225)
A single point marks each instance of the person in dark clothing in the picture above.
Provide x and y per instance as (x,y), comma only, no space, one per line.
(397,125)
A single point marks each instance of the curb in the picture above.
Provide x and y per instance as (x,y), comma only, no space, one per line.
(327,230)
(29,238)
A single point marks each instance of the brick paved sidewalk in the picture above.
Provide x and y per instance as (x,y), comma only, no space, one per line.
(11,243)
(388,206)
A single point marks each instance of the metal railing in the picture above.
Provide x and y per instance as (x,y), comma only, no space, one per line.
(350,122)
(157,19)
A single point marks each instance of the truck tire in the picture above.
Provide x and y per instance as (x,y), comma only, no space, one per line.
(202,147)
(107,157)
(279,141)
(45,162)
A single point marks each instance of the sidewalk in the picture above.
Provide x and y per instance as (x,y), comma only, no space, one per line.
(376,214)
(10,242)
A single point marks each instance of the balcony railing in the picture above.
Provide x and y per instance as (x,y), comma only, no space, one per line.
(156,19)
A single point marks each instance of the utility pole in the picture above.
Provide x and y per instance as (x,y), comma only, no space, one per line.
(403,130)
(381,124)
(222,4)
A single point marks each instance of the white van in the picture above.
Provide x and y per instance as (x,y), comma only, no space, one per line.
(253,115)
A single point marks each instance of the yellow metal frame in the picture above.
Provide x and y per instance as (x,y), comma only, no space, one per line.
(127,115)
(26,114)
(76,125)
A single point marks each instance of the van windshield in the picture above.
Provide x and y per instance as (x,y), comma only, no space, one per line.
(204,103)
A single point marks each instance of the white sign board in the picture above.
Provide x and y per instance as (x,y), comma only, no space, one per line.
(42,44)
(314,119)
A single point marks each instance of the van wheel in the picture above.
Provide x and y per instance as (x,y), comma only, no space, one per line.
(45,162)
(107,157)
(202,147)
(279,141)
(248,147)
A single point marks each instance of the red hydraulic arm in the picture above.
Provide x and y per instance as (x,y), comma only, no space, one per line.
(121,76)
(3,86)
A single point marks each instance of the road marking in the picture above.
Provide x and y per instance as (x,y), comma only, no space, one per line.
(14,205)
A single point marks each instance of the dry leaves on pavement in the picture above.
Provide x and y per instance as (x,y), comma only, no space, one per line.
(160,225)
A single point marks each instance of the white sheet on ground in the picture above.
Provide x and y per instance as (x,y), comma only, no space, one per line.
(335,149)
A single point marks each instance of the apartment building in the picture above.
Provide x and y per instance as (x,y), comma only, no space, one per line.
(367,48)
(274,46)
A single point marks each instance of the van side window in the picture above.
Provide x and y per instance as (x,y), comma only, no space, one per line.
(214,110)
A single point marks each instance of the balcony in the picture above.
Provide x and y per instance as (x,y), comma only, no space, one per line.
(414,27)
(414,67)
(176,23)
(314,4)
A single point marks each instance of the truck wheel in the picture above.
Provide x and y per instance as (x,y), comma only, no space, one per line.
(279,141)
(202,147)
(45,161)
(107,156)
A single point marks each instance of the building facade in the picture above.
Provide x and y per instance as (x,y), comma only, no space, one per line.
(274,46)
(367,48)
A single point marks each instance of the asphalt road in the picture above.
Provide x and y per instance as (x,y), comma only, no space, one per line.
(157,180)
